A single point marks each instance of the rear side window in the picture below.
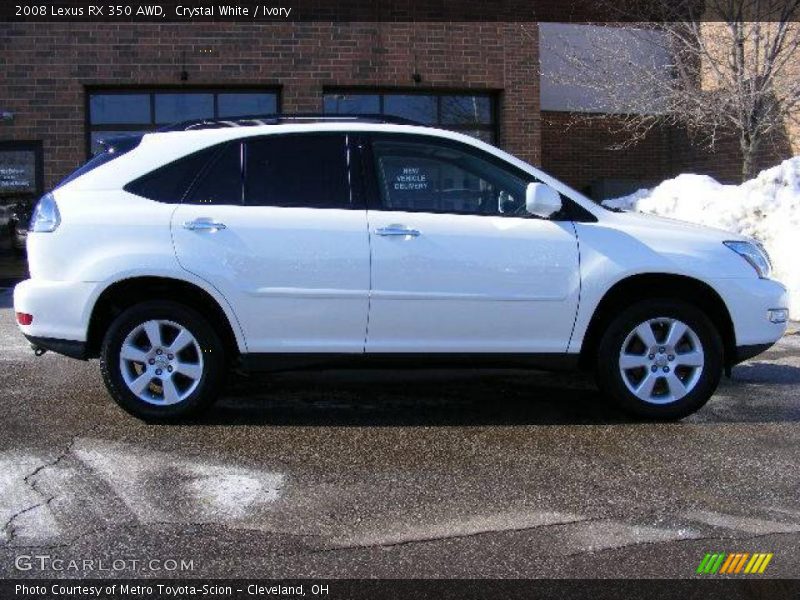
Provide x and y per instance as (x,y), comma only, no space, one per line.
(307,170)
(170,183)
(297,171)
(221,183)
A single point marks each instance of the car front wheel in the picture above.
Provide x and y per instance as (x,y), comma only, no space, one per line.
(162,361)
(660,359)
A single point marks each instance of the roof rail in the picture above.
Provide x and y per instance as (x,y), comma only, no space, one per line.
(280,119)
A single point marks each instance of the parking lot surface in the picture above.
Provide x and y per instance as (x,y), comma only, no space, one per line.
(394,474)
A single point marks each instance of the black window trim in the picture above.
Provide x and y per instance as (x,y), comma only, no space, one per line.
(152,90)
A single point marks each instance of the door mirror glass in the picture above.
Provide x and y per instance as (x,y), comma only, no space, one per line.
(541,200)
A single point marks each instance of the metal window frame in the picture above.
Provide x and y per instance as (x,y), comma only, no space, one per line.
(152,91)
(438,93)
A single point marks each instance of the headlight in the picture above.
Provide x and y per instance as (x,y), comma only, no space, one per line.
(45,217)
(755,255)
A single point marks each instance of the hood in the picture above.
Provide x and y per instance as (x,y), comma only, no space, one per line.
(646,242)
(656,226)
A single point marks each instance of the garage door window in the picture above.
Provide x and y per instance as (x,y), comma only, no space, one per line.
(117,112)
(468,113)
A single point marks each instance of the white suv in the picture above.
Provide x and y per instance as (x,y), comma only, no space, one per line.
(280,243)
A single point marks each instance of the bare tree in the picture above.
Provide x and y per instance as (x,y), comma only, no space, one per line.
(719,67)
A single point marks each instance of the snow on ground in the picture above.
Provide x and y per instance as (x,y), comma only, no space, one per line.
(766,208)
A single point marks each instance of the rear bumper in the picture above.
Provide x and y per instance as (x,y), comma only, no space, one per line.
(60,309)
(69,348)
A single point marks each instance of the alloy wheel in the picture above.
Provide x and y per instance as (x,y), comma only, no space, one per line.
(661,360)
(161,362)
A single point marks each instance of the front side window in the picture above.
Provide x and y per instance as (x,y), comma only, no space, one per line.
(432,176)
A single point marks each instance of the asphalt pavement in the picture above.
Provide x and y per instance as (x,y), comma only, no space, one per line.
(455,474)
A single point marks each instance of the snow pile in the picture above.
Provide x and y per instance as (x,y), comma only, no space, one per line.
(766,208)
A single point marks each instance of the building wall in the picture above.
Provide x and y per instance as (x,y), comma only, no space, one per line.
(47,68)
(580,153)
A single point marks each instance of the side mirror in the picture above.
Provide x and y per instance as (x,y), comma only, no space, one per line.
(541,200)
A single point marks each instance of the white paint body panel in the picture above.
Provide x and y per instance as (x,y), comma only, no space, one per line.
(298,277)
(471,283)
(305,280)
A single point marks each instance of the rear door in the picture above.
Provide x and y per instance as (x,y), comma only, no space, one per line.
(273,224)
(457,263)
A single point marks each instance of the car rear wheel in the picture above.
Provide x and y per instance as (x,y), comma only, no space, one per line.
(162,361)
(660,359)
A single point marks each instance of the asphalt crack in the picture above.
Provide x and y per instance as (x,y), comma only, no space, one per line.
(9,528)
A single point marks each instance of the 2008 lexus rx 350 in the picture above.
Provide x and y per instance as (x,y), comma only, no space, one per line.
(268,243)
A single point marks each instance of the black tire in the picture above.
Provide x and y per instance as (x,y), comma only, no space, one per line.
(214,362)
(610,377)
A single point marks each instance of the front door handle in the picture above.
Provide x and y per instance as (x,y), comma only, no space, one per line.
(204,225)
(400,230)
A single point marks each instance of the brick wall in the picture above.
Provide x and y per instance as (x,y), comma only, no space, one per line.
(579,153)
(47,67)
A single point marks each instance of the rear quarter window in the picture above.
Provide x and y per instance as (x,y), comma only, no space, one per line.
(221,181)
(171,182)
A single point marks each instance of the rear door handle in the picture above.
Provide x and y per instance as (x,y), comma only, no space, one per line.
(400,230)
(204,225)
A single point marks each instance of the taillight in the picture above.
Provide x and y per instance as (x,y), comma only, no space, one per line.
(24,318)
(45,217)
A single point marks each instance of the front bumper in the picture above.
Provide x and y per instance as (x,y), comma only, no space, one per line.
(749,302)
(744,353)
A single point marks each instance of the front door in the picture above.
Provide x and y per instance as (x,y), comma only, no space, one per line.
(457,263)
(273,225)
